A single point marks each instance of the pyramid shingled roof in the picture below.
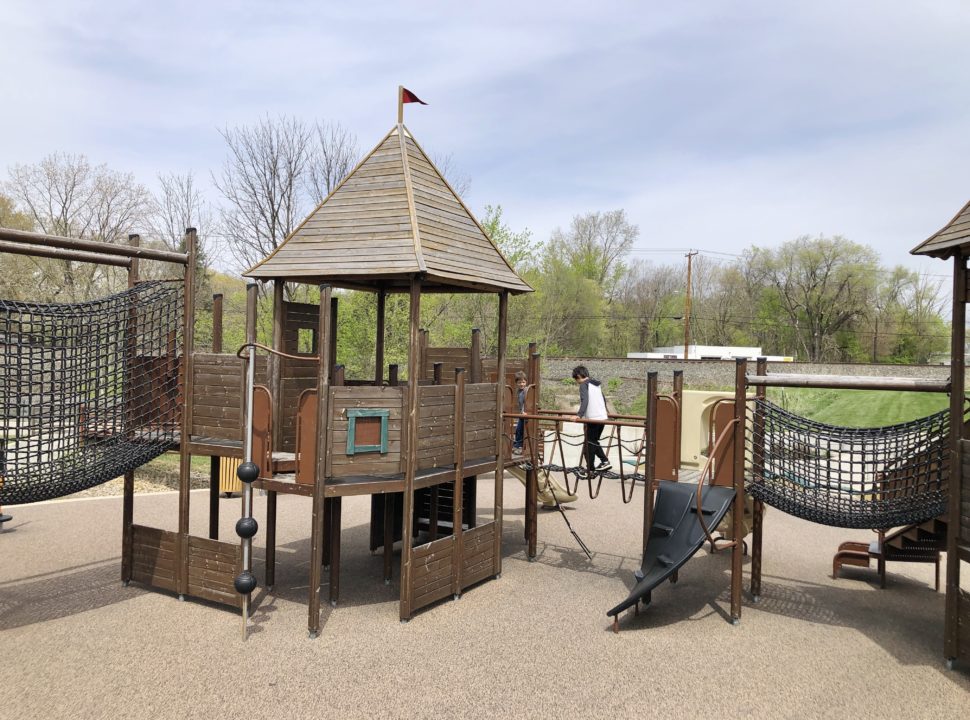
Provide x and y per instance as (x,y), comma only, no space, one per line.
(393,216)
(948,240)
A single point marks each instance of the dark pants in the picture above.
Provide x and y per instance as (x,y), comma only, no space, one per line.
(519,433)
(593,448)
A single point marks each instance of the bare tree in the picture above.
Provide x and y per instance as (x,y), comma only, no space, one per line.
(263,181)
(64,194)
(459,180)
(331,159)
(178,205)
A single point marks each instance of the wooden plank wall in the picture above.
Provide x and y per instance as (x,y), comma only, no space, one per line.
(480,420)
(478,554)
(154,557)
(297,375)
(512,366)
(433,571)
(213,566)
(218,390)
(450,358)
(342,398)
(436,423)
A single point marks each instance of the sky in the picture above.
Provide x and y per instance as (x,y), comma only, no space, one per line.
(715,124)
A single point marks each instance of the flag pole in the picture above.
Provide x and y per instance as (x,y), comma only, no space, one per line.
(400,104)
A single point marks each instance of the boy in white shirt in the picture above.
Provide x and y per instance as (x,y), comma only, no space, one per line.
(592,406)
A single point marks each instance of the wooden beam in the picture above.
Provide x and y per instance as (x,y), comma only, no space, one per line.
(57,254)
(849,382)
(91,246)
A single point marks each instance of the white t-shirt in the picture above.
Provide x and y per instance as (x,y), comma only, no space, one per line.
(596,403)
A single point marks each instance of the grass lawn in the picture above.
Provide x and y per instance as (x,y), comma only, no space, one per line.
(858,408)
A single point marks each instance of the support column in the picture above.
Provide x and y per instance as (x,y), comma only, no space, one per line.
(737,551)
(757,459)
(503,321)
(379,343)
(951,630)
(650,457)
(411,446)
(185,458)
(128,501)
(317,529)
(215,460)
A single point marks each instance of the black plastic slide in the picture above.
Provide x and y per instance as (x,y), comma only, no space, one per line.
(676,534)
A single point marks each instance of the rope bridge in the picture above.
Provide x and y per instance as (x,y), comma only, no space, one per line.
(873,478)
(88,391)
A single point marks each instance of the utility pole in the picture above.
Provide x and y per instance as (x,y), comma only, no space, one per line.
(690,255)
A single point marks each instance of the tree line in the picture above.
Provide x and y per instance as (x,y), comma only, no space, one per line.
(815,298)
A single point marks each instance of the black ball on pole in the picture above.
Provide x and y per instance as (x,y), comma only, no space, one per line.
(245,582)
(246,527)
(247,472)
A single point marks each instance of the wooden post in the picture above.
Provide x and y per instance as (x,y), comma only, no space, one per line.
(411,446)
(317,529)
(436,373)
(333,332)
(423,356)
(185,458)
(679,396)
(737,552)
(475,372)
(276,364)
(951,629)
(214,460)
(458,553)
(503,321)
(128,501)
(392,378)
(757,460)
(533,440)
(217,323)
(650,456)
(379,342)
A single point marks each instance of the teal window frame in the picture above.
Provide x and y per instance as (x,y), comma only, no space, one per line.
(352,415)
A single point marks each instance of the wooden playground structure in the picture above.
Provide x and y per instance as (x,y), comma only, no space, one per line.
(416,445)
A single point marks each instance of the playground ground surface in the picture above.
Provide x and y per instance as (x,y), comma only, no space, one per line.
(75,643)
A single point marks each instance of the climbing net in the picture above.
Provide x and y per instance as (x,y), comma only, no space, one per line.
(88,391)
(848,477)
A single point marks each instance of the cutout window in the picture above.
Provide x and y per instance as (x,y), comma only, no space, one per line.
(306,341)
(366,430)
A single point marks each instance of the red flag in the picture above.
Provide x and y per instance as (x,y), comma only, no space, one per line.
(408,97)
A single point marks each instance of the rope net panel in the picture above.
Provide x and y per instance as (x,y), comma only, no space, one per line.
(88,391)
(874,478)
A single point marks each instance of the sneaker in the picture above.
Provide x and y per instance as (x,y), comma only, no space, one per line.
(516,452)
(605,465)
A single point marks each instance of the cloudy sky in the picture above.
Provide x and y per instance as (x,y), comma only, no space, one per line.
(716,124)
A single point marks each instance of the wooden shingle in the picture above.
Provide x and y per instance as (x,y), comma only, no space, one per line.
(949,240)
(393,216)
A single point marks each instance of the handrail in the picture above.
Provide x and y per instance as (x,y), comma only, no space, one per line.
(848,382)
(308,358)
(700,480)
